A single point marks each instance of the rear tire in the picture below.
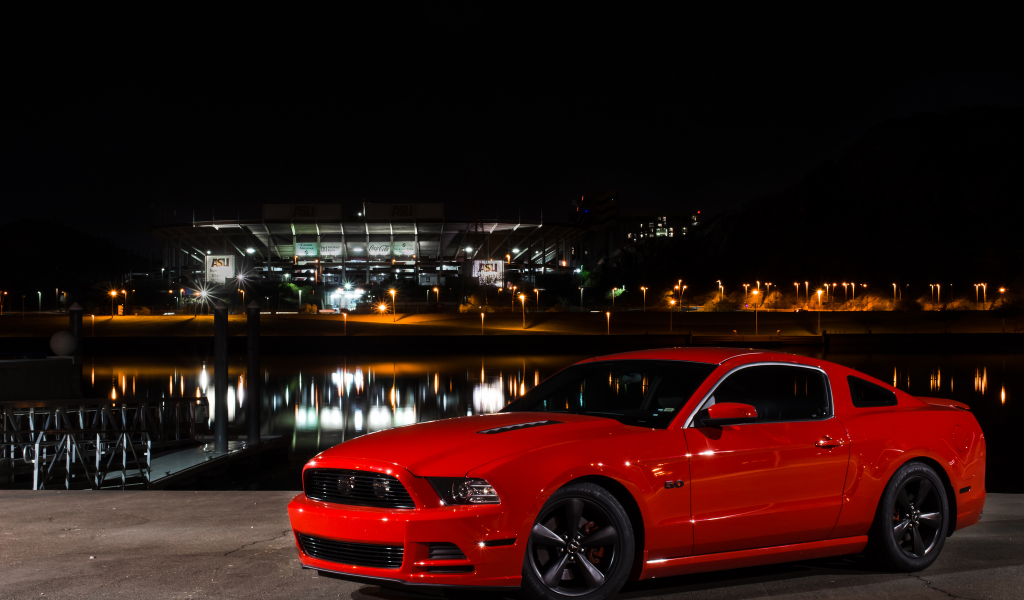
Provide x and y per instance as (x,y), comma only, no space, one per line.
(912,520)
(581,546)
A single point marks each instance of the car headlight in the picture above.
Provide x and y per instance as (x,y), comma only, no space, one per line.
(460,490)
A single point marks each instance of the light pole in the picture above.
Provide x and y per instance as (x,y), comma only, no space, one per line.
(608,316)
(846,296)
(537,290)
(797,285)
(614,289)
(394,309)
(40,301)
(113,294)
(437,296)
(522,300)
(644,290)
(681,290)
(819,312)
(581,299)
(984,294)
(300,300)
(671,309)
(345,316)
(894,296)
(807,291)
(745,286)
(767,291)
(481,323)
(938,289)
(514,288)
(755,292)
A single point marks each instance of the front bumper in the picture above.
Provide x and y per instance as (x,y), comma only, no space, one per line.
(471,528)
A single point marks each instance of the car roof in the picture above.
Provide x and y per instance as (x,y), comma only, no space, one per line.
(711,356)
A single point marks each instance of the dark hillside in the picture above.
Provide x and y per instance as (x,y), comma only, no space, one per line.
(39,256)
(927,198)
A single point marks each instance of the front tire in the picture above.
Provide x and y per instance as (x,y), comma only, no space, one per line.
(581,546)
(912,520)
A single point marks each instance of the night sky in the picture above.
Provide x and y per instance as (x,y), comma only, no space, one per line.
(113,122)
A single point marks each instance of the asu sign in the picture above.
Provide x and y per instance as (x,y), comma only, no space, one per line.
(219,268)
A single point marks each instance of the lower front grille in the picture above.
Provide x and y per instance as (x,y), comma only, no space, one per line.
(351,553)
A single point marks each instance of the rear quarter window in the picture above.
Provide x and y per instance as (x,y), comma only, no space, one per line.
(868,395)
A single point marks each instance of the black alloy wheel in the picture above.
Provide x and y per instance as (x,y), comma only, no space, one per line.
(913,519)
(581,545)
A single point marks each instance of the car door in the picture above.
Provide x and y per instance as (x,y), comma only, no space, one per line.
(778,480)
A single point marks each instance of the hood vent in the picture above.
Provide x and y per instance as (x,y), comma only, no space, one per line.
(519,426)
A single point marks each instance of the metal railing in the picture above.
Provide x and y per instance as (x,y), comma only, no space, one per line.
(91,443)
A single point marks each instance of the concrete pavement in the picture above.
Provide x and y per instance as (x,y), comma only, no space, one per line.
(101,545)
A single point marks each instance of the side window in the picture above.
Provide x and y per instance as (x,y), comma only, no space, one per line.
(868,395)
(779,393)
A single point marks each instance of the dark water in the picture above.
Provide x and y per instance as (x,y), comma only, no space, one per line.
(318,402)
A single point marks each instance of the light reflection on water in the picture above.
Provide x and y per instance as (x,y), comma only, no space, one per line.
(318,402)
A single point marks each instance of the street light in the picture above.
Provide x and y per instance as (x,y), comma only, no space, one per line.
(755,292)
(644,290)
(437,295)
(797,291)
(581,299)
(522,299)
(894,296)
(807,290)
(819,312)
(394,309)
(537,290)
(614,289)
(40,301)
(481,323)
(608,316)
(671,309)
(745,286)
(113,294)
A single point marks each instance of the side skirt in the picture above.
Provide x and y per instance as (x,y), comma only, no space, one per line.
(667,567)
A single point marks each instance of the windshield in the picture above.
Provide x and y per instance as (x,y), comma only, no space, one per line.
(647,393)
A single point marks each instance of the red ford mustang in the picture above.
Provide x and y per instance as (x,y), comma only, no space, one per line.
(648,464)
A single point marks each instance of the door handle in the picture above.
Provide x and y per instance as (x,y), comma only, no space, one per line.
(828,442)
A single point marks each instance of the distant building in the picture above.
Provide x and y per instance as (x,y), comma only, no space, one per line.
(365,244)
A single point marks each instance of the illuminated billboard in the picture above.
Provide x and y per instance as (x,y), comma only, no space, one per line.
(400,248)
(219,268)
(306,249)
(330,248)
(489,272)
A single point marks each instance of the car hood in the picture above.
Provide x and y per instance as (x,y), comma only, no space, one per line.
(453,447)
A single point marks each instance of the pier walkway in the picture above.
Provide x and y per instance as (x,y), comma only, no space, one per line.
(159,544)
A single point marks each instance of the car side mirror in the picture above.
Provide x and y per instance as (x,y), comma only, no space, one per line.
(725,413)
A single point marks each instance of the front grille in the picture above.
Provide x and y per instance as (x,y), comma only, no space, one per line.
(351,553)
(445,551)
(359,488)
